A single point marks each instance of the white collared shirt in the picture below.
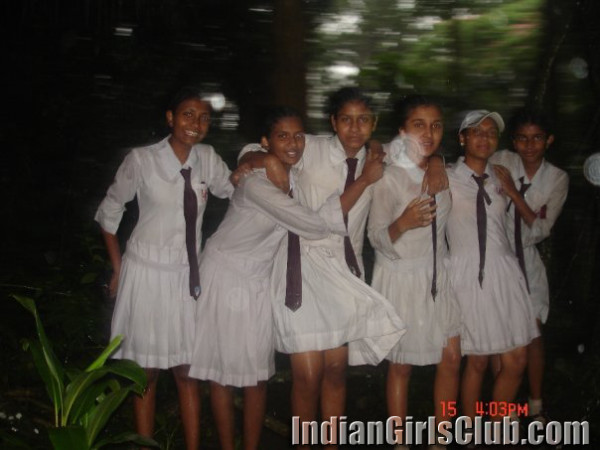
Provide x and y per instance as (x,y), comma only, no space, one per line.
(153,174)
(546,195)
(461,227)
(322,172)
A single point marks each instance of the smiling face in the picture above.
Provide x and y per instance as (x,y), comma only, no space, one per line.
(531,141)
(286,140)
(353,123)
(189,123)
(423,129)
(480,142)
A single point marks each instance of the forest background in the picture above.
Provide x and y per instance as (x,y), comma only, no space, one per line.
(86,80)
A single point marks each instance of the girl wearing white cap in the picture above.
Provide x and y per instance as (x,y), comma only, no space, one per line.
(407,230)
(496,309)
(537,190)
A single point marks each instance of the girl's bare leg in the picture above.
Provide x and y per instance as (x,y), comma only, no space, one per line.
(188,390)
(221,400)
(495,365)
(535,366)
(333,385)
(398,377)
(445,388)
(145,406)
(396,391)
(509,378)
(307,373)
(255,399)
(471,383)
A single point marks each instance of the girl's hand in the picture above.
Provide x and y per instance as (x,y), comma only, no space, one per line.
(375,147)
(373,169)
(239,173)
(418,213)
(505,178)
(435,179)
(276,173)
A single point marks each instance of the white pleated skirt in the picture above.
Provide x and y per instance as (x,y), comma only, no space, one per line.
(497,317)
(430,323)
(337,308)
(154,311)
(234,324)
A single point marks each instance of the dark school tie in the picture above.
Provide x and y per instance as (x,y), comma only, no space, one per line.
(482,198)
(293,278)
(434,242)
(190,213)
(518,239)
(348,250)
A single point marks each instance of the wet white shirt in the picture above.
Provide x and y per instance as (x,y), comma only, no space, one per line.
(322,172)
(153,174)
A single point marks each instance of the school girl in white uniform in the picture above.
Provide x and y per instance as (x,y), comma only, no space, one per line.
(400,230)
(545,191)
(155,308)
(234,339)
(495,307)
(337,306)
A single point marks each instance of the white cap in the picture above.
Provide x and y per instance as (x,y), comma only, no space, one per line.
(475,117)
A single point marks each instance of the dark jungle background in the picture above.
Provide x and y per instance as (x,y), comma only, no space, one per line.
(83,81)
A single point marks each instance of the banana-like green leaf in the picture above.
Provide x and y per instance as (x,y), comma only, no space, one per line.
(101,414)
(50,383)
(76,388)
(72,373)
(130,370)
(100,360)
(54,367)
(84,381)
(68,438)
(126,437)
(87,400)
(53,387)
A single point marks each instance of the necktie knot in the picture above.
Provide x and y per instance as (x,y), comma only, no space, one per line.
(352,163)
(480,180)
(524,186)
(186,173)
(480,184)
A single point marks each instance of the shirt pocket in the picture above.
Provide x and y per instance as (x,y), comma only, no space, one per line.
(535,199)
(201,190)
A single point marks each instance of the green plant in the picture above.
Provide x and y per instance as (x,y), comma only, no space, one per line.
(83,401)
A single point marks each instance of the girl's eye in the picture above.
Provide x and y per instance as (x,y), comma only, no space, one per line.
(299,136)
(187,114)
